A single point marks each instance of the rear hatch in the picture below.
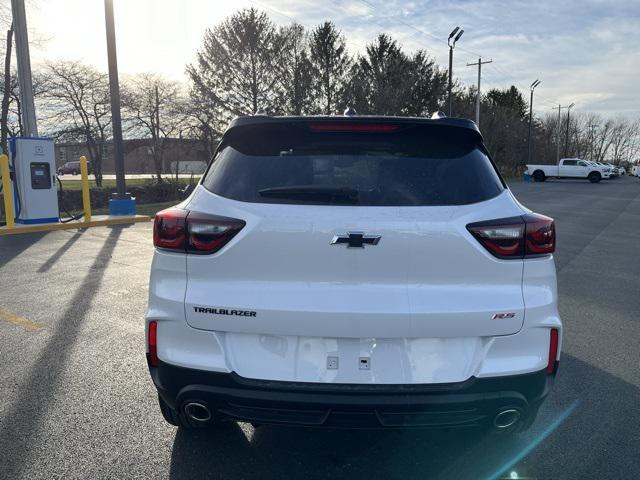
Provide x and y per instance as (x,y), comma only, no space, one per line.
(354,230)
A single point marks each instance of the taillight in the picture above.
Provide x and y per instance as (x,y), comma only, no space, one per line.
(153,344)
(516,237)
(169,229)
(192,232)
(553,351)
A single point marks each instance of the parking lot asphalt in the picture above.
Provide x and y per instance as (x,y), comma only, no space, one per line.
(76,400)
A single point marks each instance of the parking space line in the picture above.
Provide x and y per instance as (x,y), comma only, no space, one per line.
(20,321)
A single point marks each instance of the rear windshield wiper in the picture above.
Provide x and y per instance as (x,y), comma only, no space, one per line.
(312,193)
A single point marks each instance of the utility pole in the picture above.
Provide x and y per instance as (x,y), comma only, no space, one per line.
(532,88)
(114,89)
(452,45)
(478,96)
(592,127)
(156,147)
(566,140)
(157,113)
(558,142)
(30,126)
(560,107)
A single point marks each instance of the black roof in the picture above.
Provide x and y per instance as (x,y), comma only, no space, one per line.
(270,120)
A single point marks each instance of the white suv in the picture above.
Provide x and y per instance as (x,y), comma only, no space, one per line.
(353,271)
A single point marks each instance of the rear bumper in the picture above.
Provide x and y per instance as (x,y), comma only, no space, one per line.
(473,402)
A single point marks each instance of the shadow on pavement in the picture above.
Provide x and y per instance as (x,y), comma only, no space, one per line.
(39,388)
(285,452)
(13,245)
(61,251)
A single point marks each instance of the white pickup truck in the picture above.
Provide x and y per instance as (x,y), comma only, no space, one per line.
(569,168)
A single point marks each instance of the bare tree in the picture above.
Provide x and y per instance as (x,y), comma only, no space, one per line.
(624,139)
(153,108)
(77,107)
(602,139)
(203,123)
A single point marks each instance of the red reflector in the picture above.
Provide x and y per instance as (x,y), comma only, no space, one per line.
(153,343)
(553,351)
(354,127)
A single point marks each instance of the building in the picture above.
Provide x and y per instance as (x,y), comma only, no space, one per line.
(187,154)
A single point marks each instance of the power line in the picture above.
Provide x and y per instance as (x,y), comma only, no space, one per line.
(440,39)
(545,100)
(419,30)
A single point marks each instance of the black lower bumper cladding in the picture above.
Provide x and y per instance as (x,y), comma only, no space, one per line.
(229,396)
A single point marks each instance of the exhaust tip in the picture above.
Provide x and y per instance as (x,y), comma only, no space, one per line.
(198,412)
(506,418)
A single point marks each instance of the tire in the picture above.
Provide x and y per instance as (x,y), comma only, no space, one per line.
(539,176)
(176,419)
(594,177)
(75,172)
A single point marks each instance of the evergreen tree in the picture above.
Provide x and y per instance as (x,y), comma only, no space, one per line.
(331,65)
(296,75)
(236,69)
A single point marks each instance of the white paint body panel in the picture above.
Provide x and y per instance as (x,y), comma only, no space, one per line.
(418,305)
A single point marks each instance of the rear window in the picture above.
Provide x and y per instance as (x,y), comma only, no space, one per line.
(411,166)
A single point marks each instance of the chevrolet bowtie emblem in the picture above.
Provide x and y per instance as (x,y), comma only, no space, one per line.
(355,240)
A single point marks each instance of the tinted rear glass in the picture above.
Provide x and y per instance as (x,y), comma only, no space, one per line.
(414,166)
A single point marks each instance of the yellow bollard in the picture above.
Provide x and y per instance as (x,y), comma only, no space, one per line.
(8,191)
(86,201)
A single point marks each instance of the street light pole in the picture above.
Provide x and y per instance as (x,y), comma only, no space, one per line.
(452,45)
(114,90)
(566,140)
(533,87)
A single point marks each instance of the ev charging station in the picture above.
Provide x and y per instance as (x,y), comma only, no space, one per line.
(28,177)
(29,183)
(32,163)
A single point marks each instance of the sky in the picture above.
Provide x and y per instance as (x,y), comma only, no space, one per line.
(583,51)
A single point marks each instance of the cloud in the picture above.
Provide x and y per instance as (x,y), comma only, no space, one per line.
(584,51)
